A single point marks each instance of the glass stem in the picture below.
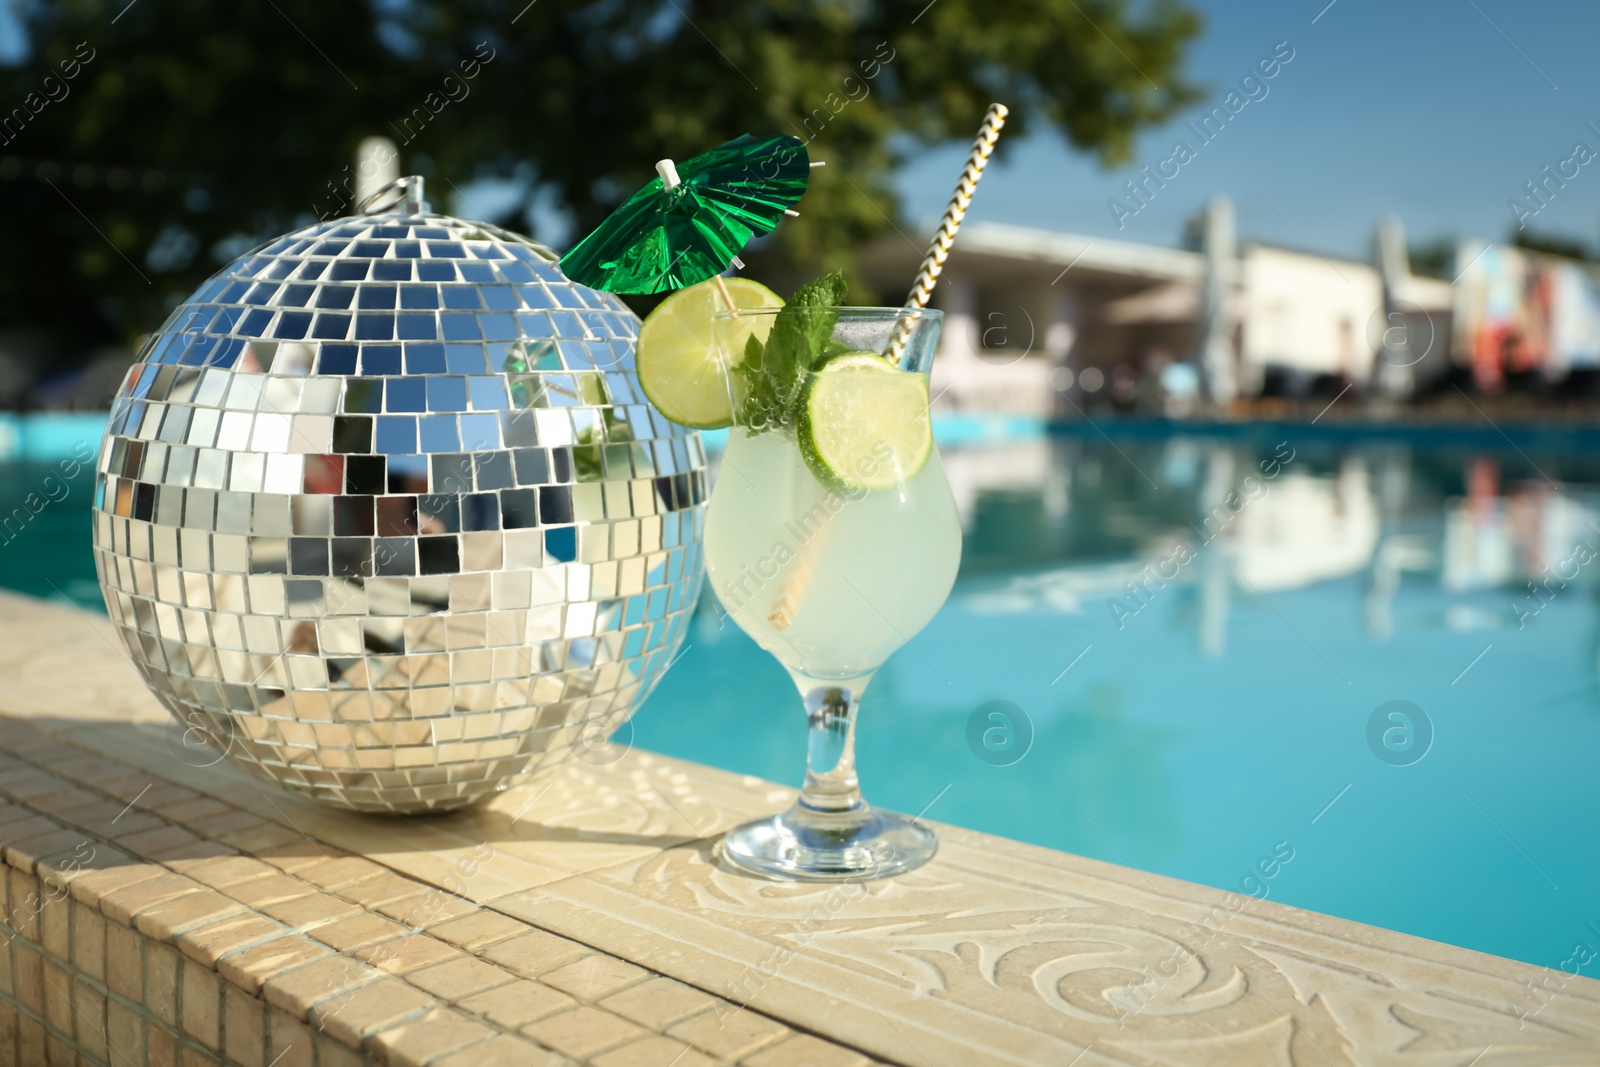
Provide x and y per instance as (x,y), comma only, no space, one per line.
(831,783)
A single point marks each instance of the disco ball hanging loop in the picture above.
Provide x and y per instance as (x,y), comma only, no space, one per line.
(383,516)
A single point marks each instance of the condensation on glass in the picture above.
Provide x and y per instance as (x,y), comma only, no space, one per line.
(382,513)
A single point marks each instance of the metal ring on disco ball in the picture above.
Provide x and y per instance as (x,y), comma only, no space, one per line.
(383,507)
(401,193)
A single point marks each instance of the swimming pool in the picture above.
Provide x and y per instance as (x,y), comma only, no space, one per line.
(1183,653)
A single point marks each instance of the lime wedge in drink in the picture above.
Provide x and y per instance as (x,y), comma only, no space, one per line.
(677,358)
(864,424)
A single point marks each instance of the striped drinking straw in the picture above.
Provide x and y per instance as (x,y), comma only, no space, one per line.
(787,601)
(933,262)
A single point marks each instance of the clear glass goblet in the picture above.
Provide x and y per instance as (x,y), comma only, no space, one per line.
(831,539)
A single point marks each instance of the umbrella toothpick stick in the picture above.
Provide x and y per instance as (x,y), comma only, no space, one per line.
(933,262)
(670,181)
(727,297)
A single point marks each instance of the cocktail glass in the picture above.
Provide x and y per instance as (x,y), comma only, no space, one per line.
(832,571)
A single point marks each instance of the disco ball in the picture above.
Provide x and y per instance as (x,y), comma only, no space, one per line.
(383,516)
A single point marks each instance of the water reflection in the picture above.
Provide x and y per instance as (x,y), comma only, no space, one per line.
(1081,525)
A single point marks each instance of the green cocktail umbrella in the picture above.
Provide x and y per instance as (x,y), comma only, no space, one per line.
(691,222)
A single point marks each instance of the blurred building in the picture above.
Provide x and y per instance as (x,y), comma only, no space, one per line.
(1049,324)
(1522,313)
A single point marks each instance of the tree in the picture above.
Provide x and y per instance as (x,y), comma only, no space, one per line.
(196,129)
(1553,244)
(1435,258)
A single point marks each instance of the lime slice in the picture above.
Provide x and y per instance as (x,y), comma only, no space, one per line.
(677,361)
(864,423)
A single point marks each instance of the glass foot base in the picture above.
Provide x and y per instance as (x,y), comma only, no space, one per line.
(806,845)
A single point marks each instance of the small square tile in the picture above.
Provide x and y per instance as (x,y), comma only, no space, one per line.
(95,814)
(57,997)
(125,962)
(161,1045)
(182,857)
(478,930)
(161,982)
(89,1018)
(88,940)
(151,843)
(30,977)
(57,873)
(594,976)
(202,1005)
(459,978)
(163,794)
(332,1053)
(328,870)
(379,1005)
(517,1004)
(249,968)
(223,871)
(219,827)
(658,1003)
(55,923)
(653,1052)
(245,1027)
(125,1035)
(406,954)
(728,1033)
(288,1039)
(269,889)
(20,856)
(164,921)
(209,943)
(92,887)
(26,901)
(534,953)
(582,1032)
(30,1041)
(423,1040)
(187,811)
(357,931)
(291,852)
(310,911)
(297,990)
(503,1051)
(422,910)
(261,838)
(125,903)
(380,889)
(134,822)
(803,1050)
(26,846)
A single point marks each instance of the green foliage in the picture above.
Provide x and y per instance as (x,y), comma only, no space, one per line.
(1554,245)
(772,375)
(199,127)
(1435,258)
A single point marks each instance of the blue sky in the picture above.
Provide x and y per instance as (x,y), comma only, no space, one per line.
(1435,110)
(1423,109)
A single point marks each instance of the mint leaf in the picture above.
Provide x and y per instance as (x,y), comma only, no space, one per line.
(760,407)
(800,333)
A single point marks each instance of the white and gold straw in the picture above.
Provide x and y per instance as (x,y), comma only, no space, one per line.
(933,262)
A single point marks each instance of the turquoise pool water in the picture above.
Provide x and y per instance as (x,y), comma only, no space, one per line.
(1228,718)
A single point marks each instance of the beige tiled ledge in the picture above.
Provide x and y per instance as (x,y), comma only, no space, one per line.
(583,918)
